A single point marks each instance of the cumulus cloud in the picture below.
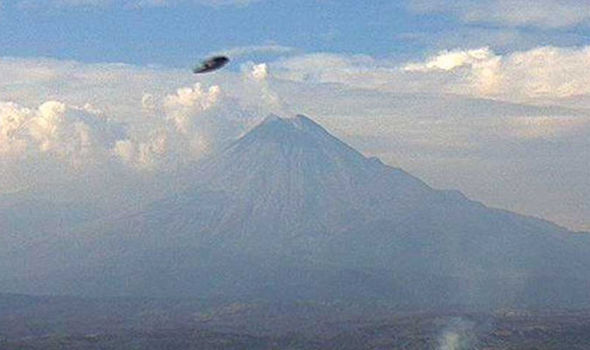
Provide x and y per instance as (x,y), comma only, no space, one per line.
(12,121)
(449,60)
(537,73)
(143,155)
(184,127)
(538,13)
(54,144)
(188,102)
(142,121)
(182,114)
(71,134)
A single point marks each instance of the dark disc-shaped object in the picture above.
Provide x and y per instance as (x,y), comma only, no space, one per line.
(211,64)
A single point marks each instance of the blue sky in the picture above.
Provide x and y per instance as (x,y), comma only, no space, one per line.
(491,97)
(179,33)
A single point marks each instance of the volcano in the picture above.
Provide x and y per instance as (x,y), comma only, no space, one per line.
(289,212)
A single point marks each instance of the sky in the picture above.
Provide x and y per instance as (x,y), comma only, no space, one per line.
(490,97)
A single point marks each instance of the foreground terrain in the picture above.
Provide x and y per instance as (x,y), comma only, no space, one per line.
(73,323)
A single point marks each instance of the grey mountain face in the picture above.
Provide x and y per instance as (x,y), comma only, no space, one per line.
(290,212)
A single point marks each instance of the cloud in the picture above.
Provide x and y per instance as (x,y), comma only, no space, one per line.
(142,121)
(130,128)
(499,38)
(359,71)
(449,60)
(70,134)
(54,144)
(178,132)
(271,49)
(469,119)
(544,72)
(184,127)
(512,13)
(188,102)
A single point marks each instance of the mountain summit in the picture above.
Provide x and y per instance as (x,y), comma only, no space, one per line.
(290,212)
(293,176)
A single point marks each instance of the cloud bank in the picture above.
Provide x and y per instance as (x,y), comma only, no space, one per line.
(544,72)
(469,119)
(501,128)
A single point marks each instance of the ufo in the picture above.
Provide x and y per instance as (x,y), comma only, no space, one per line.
(211,64)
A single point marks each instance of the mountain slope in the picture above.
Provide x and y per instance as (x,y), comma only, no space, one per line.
(289,212)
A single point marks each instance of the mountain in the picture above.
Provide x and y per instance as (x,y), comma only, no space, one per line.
(290,212)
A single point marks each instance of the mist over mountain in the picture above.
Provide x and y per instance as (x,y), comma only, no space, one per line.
(290,212)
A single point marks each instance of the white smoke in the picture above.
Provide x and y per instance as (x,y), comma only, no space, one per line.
(257,85)
(458,335)
(259,72)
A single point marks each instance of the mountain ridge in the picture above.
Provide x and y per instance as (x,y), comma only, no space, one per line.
(288,211)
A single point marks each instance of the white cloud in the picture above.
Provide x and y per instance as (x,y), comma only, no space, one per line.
(468,119)
(449,60)
(500,38)
(544,72)
(241,51)
(188,102)
(184,127)
(516,13)
(537,73)
(359,71)
(70,134)
(141,121)
(435,119)
(143,155)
